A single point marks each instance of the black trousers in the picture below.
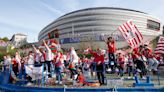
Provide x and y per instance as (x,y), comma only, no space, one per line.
(15,69)
(37,64)
(101,73)
(112,58)
(130,70)
(73,72)
(48,63)
(121,71)
(140,65)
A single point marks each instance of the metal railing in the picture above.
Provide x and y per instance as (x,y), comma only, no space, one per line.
(41,82)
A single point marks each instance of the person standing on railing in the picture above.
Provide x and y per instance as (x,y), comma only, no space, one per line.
(159,58)
(43,57)
(15,66)
(4,65)
(138,61)
(7,62)
(152,61)
(73,63)
(111,53)
(73,56)
(37,56)
(30,60)
(130,65)
(100,67)
(49,57)
(18,61)
(30,64)
(120,62)
(58,59)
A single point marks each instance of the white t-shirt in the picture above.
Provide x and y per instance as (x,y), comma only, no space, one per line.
(42,59)
(18,60)
(38,56)
(30,61)
(7,61)
(74,56)
(49,55)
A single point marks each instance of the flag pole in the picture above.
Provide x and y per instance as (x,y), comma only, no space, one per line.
(72,29)
(111,34)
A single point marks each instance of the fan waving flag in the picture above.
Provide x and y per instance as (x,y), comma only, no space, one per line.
(131,34)
(160,45)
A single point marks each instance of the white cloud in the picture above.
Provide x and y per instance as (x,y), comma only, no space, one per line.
(71,4)
(103,3)
(52,9)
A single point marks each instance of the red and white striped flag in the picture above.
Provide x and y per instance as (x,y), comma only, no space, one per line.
(160,45)
(131,34)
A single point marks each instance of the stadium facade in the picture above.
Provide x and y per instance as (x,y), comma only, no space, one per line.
(88,27)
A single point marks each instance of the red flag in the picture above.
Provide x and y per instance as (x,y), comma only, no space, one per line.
(49,35)
(160,45)
(131,34)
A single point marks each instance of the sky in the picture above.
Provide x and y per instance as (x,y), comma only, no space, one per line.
(31,16)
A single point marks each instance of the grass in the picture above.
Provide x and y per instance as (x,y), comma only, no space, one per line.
(126,83)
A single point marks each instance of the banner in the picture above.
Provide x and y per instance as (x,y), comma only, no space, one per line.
(160,45)
(131,34)
(34,72)
(89,38)
(53,34)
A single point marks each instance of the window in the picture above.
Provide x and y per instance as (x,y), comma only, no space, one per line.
(153,25)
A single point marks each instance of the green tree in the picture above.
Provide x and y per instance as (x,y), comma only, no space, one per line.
(5,39)
(7,50)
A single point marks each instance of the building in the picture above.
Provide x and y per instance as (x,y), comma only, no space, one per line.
(18,39)
(86,27)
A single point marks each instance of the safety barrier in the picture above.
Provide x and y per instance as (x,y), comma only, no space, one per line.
(7,70)
(19,88)
(13,88)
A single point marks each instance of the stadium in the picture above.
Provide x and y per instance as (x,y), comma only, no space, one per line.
(88,27)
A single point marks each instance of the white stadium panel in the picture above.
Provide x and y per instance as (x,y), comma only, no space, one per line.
(98,21)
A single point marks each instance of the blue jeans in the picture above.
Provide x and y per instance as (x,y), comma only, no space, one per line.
(130,70)
(121,71)
(22,74)
(152,63)
(58,73)
(93,66)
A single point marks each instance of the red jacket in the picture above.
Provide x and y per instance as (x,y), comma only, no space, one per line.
(121,61)
(97,57)
(148,53)
(57,60)
(111,47)
(136,53)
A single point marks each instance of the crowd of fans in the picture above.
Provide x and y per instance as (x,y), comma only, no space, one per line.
(140,60)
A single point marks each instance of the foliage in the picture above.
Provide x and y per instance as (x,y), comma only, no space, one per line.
(2,53)
(5,51)
(5,39)
(85,55)
(88,56)
(154,42)
(26,46)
